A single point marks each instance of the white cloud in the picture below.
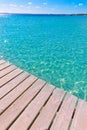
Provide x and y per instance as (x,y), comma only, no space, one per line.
(21,6)
(44,3)
(80,4)
(12,5)
(29,3)
(37,7)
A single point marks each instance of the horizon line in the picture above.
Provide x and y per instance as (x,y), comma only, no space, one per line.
(45,13)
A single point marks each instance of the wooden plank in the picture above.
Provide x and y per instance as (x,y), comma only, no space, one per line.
(2,61)
(18,95)
(17,107)
(27,117)
(12,84)
(10,76)
(7,70)
(79,121)
(2,66)
(15,93)
(64,115)
(48,112)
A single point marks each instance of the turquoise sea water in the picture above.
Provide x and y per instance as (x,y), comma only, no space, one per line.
(54,48)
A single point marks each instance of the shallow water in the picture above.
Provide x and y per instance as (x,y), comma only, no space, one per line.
(54,48)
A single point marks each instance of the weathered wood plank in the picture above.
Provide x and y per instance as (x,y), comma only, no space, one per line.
(10,76)
(2,66)
(79,121)
(15,93)
(27,117)
(12,84)
(15,109)
(7,70)
(64,115)
(25,100)
(48,112)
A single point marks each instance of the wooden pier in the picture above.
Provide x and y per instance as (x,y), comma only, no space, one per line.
(29,103)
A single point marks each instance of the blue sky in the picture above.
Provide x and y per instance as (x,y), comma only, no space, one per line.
(43,6)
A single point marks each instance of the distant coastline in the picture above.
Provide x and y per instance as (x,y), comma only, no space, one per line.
(82,14)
